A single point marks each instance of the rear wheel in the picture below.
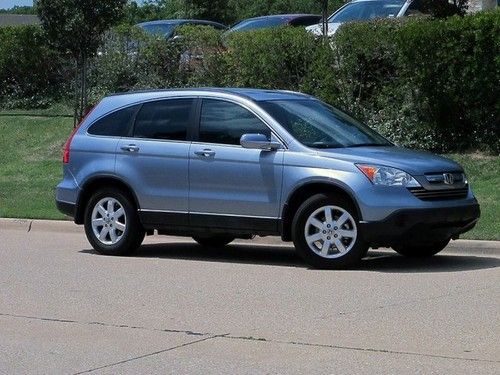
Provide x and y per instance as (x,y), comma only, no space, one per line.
(111,223)
(422,250)
(213,241)
(325,232)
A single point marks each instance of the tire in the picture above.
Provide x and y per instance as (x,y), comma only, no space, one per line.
(344,244)
(214,241)
(124,232)
(422,250)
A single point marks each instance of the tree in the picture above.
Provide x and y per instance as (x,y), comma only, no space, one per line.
(215,10)
(76,28)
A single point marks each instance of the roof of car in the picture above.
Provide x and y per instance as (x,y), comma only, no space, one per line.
(179,21)
(249,93)
(367,1)
(291,16)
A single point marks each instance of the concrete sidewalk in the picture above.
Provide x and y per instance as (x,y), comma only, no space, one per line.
(248,308)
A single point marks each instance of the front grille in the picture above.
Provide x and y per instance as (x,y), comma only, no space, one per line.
(436,195)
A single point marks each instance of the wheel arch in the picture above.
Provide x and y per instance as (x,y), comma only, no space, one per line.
(307,190)
(93,184)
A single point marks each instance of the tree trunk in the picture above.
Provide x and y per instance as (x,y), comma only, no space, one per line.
(77,92)
(82,87)
(324,11)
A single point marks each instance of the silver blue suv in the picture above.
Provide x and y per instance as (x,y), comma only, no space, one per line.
(220,164)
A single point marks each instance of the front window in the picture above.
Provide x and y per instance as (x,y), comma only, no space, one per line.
(224,122)
(318,125)
(367,10)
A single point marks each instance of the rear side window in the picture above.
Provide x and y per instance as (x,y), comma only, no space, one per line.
(164,119)
(116,124)
(225,122)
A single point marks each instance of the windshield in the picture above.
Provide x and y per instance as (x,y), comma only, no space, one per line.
(318,125)
(367,10)
(165,29)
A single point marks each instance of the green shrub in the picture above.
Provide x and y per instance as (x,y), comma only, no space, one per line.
(424,83)
(277,58)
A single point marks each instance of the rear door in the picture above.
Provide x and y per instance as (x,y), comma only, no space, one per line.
(154,159)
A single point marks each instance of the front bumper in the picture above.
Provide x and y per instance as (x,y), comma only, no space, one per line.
(421,225)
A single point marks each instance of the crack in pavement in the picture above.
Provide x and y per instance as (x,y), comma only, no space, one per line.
(355,348)
(147,355)
(233,337)
(111,325)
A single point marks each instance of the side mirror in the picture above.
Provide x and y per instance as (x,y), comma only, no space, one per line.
(259,142)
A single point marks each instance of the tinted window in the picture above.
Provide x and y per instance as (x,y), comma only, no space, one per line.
(164,119)
(306,21)
(260,23)
(225,122)
(116,124)
(160,28)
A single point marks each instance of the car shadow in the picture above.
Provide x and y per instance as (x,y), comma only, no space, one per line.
(375,261)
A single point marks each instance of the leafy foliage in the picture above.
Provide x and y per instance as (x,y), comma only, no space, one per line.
(31,72)
(77,26)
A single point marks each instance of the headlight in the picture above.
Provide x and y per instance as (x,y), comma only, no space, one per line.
(380,175)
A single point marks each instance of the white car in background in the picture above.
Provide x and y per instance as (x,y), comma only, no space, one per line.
(363,10)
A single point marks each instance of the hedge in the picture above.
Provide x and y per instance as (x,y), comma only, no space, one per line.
(423,83)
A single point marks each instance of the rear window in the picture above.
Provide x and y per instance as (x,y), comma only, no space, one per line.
(116,124)
(164,119)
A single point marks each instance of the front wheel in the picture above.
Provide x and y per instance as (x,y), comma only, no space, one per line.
(421,251)
(325,232)
(111,223)
(214,241)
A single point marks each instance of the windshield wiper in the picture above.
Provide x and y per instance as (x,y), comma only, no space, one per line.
(371,144)
(322,145)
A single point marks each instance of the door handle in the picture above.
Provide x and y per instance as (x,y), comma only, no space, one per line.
(205,153)
(130,148)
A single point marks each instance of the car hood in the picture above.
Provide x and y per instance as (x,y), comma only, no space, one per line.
(416,163)
(318,29)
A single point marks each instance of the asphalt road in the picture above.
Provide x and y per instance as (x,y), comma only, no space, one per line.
(176,308)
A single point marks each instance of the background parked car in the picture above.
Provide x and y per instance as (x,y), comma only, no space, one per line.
(276,20)
(168,27)
(362,10)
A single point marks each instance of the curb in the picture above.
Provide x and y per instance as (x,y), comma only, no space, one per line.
(59,226)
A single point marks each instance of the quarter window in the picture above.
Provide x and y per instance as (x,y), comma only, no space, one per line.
(116,124)
(225,122)
(164,119)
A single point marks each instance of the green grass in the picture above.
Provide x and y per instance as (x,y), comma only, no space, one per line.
(30,168)
(30,165)
(57,109)
(483,173)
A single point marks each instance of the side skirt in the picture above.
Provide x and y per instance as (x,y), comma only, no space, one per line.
(185,224)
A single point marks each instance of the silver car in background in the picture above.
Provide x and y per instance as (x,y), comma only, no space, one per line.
(220,164)
(365,10)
